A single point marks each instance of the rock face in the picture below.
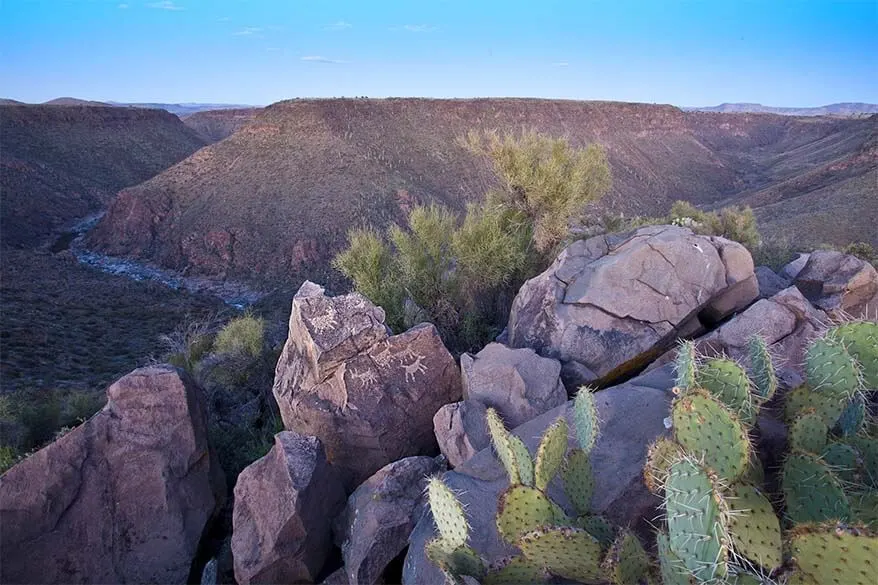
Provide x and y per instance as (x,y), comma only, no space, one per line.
(610,304)
(518,383)
(770,283)
(377,522)
(123,498)
(369,397)
(631,416)
(284,506)
(461,430)
(840,284)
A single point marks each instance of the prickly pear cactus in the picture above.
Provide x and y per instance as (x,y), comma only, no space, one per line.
(462,560)
(762,367)
(844,462)
(861,340)
(513,456)
(811,491)
(672,570)
(867,447)
(808,432)
(686,366)
(753,526)
(727,381)
(626,563)
(578,480)
(696,534)
(828,405)
(659,457)
(550,454)
(833,553)
(599,527)
(585,419)
(853,418)
(830,368)
(707,429)
(570,553)
(515,571)
(521,509)
(448,515)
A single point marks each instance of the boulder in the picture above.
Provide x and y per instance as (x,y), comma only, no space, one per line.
(517,383)
(375,527)
(770,283)
(461,430)
(284,506)
(370,397)
(840,284)
(611,304)
(123,498)
(792,269)
(632,417)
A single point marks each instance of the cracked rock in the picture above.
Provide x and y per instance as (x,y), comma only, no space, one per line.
(840,284)
(609,305)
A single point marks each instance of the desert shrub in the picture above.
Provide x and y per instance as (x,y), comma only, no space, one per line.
(774,252)
(242,335)
(863,251)
(734,223)
(188,344)
(8,457)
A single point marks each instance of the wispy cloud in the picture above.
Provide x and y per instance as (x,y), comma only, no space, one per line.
(560,64)
(416,28)
(339,25)
(224,19)
(165,5)
(123,6)
(247,31)
(319,59)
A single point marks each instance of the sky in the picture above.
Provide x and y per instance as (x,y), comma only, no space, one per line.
(682,52)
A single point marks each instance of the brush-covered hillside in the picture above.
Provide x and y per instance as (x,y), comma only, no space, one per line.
(60,163)
(275,199)
(215,125)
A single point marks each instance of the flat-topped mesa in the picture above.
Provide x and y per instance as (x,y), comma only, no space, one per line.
(368,395)
(611,304)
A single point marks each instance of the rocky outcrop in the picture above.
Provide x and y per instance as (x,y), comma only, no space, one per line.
(611,304)
(770,283)
(461,430)
(284,506)
(123,498)
(369,396)
(840,284)
(375,527)
(792,269)
(631,416)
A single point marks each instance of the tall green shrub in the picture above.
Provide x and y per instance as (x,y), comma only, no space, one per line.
(244,335)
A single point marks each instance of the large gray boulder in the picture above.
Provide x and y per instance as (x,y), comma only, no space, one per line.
(611,304)
(284,506)
(840,284)
(375,526)
(461,430)
(632,417)
(123,498)
(770,282)
(370,397)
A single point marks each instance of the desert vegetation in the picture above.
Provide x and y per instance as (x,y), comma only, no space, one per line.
(461,274)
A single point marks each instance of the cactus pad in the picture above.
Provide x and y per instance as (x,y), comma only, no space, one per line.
(659,457)
(672,570)
(550,453)
(461,561)
(808,432)
(844,462)
(753,526)
(685,366)
(599,527)
(521,457)
(853,417)
(500,440)
(695,532)
(812,492)
(834,553)
(867,447)
(727,381)
(515,571)
(522,509)
(448,515)
(578,480)
(762,368)
(705,428)
(828,405)
(861,341)
(571,553)
(829,367)
(585,419)
(626,562)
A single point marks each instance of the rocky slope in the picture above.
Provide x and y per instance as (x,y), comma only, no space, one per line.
(60,163)
(215,125)
(841,109)
(275,200)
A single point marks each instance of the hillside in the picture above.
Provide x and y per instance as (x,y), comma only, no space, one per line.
(215,125)
(184,109)
(61,163)
(841,109)
(275,200)
(71,101)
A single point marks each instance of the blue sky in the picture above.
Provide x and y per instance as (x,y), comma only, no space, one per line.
(776,52)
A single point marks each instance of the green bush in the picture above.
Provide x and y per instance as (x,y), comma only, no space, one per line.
(863,251)
(774,253)
(188,344)
(734,223)
(242,335)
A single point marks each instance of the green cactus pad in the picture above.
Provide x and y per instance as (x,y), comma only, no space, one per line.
(745,579)
(828,405)
(550,453)
(626,563)
(659,457)
(500,440)
(706,429)
(864,508)
(844,462)
(829,367)
(808,432)
(599,527)
(852,419)
(515,571)
(762,368)
(755,474)
(685,366)
(585,419)
(753,526)
(727,381)
(672,570)
(461,561)
(812,492)
(521,509)
(861,340)
(867,447)
(448,514)
(570,553)
(578,480)
(695,533)
(834,553)
(521,457)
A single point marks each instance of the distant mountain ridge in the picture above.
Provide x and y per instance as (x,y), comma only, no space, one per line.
(181,109)
(846,109)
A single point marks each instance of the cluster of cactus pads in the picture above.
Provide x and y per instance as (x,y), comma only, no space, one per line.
(583,548)
(721,523)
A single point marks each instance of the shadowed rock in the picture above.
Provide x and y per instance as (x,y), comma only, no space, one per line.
(840,284)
